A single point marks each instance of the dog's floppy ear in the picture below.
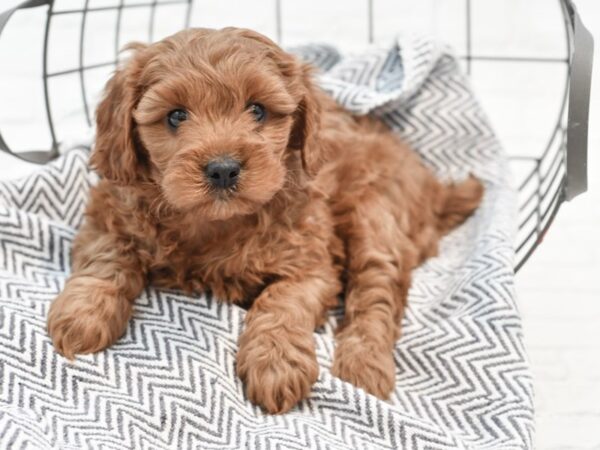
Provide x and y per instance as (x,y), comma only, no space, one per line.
(118,155)
(305,130)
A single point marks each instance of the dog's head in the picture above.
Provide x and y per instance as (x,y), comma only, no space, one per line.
(212,117)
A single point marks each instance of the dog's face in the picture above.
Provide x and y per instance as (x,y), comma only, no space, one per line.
(212,117)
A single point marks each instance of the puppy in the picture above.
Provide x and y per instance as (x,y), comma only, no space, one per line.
(224,168)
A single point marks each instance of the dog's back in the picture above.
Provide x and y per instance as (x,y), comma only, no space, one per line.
(368,163)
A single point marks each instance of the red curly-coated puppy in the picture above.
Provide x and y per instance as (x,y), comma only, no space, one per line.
(224,168)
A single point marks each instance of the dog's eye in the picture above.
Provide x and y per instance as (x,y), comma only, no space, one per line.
(175,117)
(258,111)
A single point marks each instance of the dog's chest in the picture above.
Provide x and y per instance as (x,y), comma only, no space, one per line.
(234,266)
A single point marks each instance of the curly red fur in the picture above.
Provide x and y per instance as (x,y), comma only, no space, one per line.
(320,193)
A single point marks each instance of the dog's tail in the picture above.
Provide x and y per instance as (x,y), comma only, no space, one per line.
(459,200)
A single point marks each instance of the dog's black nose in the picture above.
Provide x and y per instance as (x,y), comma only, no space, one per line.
(223,173)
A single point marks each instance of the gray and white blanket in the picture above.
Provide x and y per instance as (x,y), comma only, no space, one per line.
(462,379)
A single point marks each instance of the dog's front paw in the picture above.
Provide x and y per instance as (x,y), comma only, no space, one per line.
(278,370)
(87,316)
(362,364)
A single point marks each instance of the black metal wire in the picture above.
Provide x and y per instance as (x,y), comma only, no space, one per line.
(469,30)
(54,145)
(116,7)
(370,22)
(536,235)
(188,13)
(557,199)
(557,157)
(117,47)
(278,28)
(541,195)
(533,238)
(151,21)
(81,70)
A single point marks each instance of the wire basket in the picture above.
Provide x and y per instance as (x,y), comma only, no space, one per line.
(549,164)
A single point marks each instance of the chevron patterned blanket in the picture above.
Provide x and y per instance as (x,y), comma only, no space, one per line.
(462,374)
